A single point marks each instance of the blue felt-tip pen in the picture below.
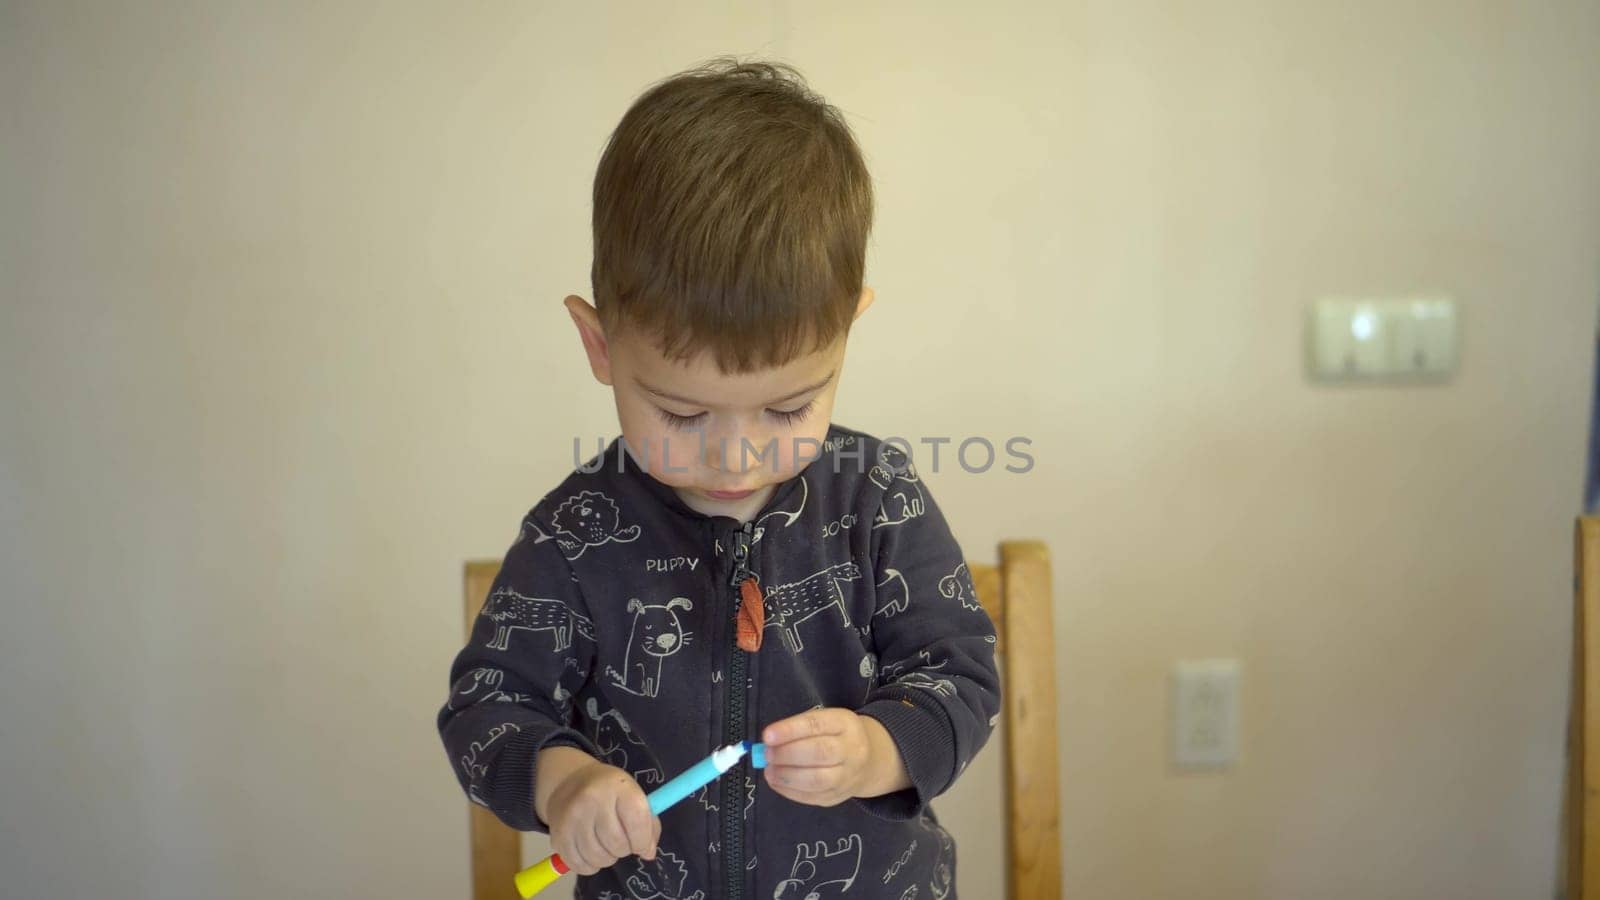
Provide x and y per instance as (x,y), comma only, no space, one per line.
(703,773)
(542,874)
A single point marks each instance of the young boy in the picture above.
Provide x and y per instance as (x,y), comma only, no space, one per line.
(734,567)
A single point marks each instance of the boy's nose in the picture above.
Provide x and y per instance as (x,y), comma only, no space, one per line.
(722,453)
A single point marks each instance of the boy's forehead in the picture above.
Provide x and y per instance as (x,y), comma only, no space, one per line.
(699,380)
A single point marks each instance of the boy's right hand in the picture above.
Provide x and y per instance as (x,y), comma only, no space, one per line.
(597,813)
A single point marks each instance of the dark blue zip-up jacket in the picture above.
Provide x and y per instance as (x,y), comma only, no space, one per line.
(611,628)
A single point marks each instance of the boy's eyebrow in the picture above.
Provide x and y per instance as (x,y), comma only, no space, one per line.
(691,402)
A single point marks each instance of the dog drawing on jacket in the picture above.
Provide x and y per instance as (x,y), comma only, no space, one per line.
(511,611)
(787,605)
(657,633)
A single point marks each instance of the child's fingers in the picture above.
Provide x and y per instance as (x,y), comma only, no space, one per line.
(573,854)
(814,751)
(609,832)
(804,779)
(565,850)
(640,825)
(593,853)
(810,798)
(810,723)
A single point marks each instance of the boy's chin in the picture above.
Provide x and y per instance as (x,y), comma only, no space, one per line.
(710,503)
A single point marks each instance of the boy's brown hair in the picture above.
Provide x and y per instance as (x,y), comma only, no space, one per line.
(731,213)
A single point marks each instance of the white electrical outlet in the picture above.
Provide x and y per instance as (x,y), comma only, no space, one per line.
(1205,713)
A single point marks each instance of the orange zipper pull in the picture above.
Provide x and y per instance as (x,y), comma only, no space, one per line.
(752,616)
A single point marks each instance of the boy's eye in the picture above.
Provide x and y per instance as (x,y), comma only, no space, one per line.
(786,416)
(674,420)
(791,416)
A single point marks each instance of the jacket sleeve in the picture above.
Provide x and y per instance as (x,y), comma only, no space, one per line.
(938,691)
(530,651)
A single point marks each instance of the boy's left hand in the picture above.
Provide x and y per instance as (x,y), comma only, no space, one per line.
(824,757)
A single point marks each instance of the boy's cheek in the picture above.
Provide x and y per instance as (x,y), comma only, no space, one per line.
(804,449)
(677,458)
(671,458)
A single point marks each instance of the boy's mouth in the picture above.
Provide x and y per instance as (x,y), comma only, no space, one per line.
(729,495)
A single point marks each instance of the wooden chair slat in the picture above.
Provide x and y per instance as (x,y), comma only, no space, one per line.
(1583,732)
(496,847)
(1033,828)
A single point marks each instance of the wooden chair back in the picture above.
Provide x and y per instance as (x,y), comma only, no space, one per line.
(1582,832)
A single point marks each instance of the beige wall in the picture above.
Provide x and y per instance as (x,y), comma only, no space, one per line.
(280,346)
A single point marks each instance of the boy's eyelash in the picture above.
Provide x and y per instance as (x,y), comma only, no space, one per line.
(789,417)
(674,420)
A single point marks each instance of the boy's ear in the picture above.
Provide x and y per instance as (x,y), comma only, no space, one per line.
(867,296)
(593,336)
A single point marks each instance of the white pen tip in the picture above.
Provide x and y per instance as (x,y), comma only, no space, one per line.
(725,757)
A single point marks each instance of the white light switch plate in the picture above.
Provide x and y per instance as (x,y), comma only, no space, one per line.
(1205,713)
(1383,338)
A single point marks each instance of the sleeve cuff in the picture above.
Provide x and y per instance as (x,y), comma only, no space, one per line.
(511,779)
(922,733)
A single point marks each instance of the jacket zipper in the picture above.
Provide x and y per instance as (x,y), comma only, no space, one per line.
(734,725)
